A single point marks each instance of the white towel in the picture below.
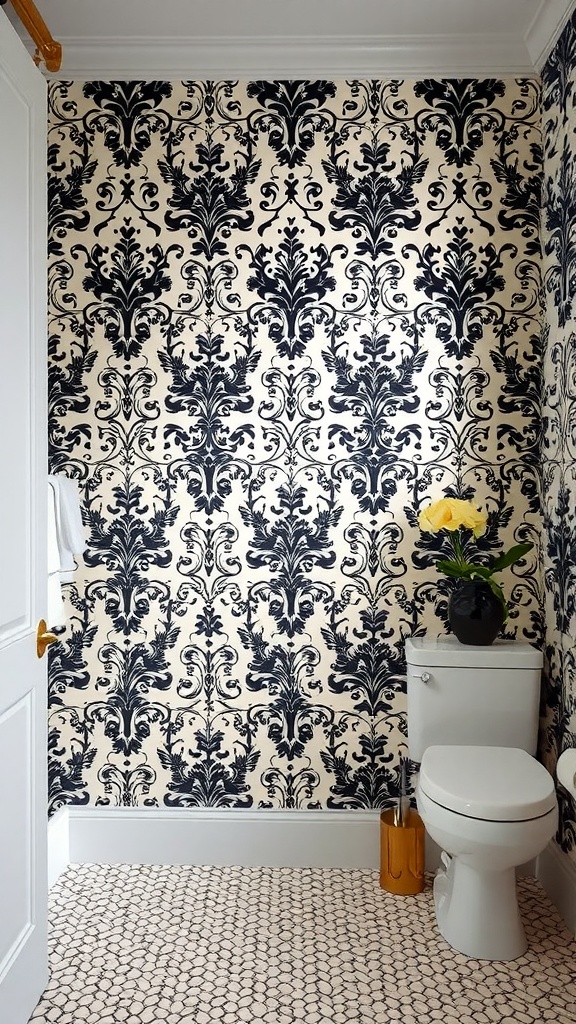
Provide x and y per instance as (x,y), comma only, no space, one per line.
(55,610)
(70,533)
(66,538)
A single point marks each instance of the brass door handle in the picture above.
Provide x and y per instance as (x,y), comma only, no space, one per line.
(43,638)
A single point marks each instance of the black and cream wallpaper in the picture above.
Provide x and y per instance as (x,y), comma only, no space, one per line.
(283,317)
(559,409)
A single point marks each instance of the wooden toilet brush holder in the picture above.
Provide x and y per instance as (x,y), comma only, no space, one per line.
(402,854)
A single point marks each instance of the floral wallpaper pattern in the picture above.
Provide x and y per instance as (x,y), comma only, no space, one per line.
(283,316)
(559,411)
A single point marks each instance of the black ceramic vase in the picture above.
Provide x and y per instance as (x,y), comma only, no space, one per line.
(475,614)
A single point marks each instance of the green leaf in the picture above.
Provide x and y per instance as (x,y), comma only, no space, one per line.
(482,572)
(452,569)
(500,595)
(464,570)
(511,556)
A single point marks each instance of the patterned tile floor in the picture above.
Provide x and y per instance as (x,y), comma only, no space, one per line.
(181,945)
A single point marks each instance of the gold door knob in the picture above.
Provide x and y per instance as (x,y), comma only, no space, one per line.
(43,638)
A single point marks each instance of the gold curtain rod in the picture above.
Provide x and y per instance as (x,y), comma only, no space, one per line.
(47,49)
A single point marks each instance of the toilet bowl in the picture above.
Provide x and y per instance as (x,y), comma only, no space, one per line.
(483,796)
(566,770)
(489,809)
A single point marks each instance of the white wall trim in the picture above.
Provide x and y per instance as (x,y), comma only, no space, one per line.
(474,55)
(557,875)
(221,837)
(58,845)
(546,28)
(261,838)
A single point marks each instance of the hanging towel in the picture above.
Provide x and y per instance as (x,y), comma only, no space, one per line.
(70,534)
(55,610)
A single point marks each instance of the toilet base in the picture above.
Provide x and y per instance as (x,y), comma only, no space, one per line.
(477,911)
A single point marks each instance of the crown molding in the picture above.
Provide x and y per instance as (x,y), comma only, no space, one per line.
(295,57)
(546,28)
(338,38)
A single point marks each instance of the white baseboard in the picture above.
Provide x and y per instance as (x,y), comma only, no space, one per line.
(58,845)
(556,873)
(262,838)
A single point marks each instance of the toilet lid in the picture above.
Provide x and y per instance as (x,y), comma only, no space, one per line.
(490,783)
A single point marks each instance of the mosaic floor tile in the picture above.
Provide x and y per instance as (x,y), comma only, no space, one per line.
(206,945)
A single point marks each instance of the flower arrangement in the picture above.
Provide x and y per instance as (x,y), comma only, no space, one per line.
(459,517)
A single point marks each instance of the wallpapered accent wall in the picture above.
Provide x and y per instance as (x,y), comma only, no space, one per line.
(559,410)
(284,316)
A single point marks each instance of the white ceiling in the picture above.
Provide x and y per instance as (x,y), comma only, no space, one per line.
(300,38)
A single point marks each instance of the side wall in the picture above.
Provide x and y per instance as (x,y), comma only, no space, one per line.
(284,316)
(559,412)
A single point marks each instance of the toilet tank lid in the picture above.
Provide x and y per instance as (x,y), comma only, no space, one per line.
(449,652)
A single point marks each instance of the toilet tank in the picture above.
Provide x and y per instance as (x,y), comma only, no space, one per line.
(460,694)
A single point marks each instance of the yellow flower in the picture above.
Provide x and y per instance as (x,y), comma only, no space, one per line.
(452,514)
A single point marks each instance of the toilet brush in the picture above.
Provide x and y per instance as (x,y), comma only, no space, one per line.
(402,807)
(402,842)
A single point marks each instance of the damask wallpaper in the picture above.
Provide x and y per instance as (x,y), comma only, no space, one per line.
(559,410)
(284,316)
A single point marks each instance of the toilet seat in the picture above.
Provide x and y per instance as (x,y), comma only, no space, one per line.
(487,783)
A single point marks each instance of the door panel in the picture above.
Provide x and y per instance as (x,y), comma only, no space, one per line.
(15,605)
(16,884)
(23,888)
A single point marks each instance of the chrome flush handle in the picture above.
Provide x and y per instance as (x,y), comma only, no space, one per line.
(424,676)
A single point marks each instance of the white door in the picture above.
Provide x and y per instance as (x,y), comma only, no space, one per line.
(23,945)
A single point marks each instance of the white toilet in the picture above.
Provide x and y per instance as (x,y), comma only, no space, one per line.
(483,798)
